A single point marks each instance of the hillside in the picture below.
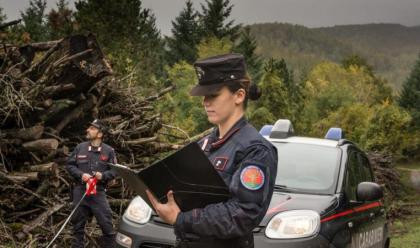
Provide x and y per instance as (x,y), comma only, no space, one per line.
(391,48)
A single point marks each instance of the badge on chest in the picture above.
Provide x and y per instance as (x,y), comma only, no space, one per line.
(219,163)
(103,157)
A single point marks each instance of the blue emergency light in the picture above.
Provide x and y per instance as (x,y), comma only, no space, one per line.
(335,133)
(266,130)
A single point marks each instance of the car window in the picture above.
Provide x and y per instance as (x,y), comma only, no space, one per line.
(307,168)
(364,163)
(357,171)
(353,176)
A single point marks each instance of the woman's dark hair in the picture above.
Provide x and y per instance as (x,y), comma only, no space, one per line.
(252,92)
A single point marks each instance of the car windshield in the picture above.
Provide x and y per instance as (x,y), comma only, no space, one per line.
(307,168)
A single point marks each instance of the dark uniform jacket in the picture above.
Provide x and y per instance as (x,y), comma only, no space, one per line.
(248,164)
(89,159)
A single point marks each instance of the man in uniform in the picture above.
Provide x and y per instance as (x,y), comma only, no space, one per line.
(90,160)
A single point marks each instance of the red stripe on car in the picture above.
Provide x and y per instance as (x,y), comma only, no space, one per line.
(348,212)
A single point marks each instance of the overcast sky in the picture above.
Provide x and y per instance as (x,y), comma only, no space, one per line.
(310,13)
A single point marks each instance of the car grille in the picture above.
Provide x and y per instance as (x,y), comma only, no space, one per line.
(155,245)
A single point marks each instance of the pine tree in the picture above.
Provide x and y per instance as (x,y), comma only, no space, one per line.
(61,21)
(34,20)
(410,94)
(274,95)
(128,34)
(280,94)
(117,23)
(185,36)
(279,67)
(214,15)
(247,46)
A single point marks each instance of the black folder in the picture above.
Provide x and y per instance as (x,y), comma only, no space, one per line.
(187,172)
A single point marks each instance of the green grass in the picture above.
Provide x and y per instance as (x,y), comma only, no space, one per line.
(405,231)
(413,165)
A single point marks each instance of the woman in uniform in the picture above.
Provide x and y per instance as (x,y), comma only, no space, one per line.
(244,159)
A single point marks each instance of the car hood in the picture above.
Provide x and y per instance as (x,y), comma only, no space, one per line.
(281,202)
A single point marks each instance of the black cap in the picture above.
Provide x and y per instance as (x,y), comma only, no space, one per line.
(215,72)
(99,125)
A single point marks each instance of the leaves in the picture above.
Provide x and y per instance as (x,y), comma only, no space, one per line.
(410,94)
(186,35)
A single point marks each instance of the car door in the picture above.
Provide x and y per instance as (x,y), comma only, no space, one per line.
(365,231)
(347,224)
(356,220)
(376,229)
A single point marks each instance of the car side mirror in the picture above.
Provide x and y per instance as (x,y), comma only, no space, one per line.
(368,191)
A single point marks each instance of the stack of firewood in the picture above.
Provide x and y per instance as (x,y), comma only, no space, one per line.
(49,92)
(385,173)
(388,177)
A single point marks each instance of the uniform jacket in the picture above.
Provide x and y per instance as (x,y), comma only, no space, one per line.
(247,162)
(89,159)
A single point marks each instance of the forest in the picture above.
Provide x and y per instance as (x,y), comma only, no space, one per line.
(60,69)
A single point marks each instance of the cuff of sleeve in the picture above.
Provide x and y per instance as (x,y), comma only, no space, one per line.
(81,176)
(105,176)
(183,224)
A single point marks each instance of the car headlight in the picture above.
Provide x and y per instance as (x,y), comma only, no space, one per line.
(293,224)
(138,211)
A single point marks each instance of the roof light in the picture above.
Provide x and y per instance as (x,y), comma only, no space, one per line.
(335,133)
(266,130)
(282,129)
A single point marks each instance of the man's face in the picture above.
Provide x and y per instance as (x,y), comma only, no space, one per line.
(93,133)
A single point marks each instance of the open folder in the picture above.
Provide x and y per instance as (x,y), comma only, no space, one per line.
(187,172)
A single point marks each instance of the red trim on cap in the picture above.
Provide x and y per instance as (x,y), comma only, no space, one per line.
(355,210)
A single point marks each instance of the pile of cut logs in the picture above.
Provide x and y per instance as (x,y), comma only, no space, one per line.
(49,92)
(385,173)
(388,177)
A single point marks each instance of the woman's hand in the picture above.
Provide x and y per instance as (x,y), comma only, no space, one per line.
(169,211)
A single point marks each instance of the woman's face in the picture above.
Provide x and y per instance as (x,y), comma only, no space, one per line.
(221,106)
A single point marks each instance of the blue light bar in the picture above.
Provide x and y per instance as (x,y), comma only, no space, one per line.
(266,130)
(335,133)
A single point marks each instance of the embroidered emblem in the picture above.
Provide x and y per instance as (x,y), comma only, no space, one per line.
(103,157)
(252,177)
(220,163)
(200,72)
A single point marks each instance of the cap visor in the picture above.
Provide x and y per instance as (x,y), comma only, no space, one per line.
(205,90)
(94,125)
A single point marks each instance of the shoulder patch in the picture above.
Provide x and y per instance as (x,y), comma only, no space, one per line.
(252,177)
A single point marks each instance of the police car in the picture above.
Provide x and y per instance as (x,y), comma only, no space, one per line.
(325,196)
